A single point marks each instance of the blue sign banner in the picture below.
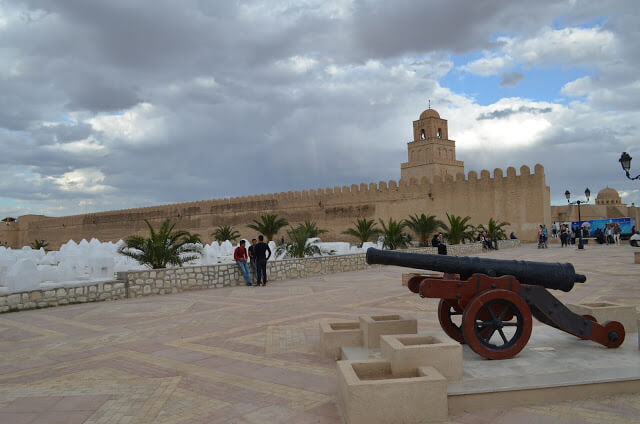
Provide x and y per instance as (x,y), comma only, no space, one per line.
(593,225)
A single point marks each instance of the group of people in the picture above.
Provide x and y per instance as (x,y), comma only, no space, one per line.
(487,242)
(438,241)
(253,261)
(611,234)
(543,237)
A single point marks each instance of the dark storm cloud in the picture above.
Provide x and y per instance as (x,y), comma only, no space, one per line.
(511,79)
(505,113)
(245,97)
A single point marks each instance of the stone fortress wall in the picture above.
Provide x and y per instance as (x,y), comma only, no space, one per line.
(432,181)
(522,200)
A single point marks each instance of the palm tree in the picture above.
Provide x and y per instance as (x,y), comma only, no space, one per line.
(298,247)
(364,230)
(162,247)
(458,229)
(312,229)
(423,226)
(38,244)
(495,230)
(225,232)
(269,225)
(394,237)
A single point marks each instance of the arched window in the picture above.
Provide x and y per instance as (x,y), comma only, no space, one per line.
(439,134)
(422,136)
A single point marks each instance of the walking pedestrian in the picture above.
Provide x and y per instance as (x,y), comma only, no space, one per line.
(545,235)
(616,233)
(260,250)
(564,235)
(240,256)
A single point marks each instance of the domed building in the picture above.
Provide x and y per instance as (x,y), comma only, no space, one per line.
(608,196)
(608,204)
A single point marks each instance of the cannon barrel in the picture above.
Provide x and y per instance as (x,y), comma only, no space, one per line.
(555,276)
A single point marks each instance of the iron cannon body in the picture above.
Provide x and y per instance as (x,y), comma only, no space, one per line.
(489,303)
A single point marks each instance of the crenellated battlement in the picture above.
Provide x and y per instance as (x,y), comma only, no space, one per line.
(381,191)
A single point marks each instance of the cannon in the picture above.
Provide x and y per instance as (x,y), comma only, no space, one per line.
(489,303)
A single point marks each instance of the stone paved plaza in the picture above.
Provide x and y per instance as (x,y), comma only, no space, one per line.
(247,355)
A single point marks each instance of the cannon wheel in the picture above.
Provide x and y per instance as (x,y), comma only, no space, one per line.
(505,333)
(615,333)
(447,308)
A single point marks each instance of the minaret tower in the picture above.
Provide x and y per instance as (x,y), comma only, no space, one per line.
(431,152)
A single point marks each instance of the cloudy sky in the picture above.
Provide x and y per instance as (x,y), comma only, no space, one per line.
(109,104)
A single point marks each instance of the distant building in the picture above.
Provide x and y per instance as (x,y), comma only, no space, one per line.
(608,204)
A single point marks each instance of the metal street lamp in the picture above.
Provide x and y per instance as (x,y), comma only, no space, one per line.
(587,194)
(625,162)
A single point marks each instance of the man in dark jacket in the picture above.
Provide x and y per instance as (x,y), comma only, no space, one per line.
(252,258)
(262,254)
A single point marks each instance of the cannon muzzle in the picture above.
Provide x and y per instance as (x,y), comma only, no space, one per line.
(555,276)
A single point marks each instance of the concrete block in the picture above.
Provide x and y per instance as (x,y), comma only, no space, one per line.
(636,256)
(375,326)
(335,334)
(609,311)
(368,393)
(410,352)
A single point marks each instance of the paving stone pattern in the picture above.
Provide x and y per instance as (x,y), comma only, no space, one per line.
(247,356)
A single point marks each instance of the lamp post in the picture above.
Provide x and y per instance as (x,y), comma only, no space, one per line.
(625,162)
(587,193)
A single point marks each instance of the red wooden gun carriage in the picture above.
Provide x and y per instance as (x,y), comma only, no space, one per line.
(497,298)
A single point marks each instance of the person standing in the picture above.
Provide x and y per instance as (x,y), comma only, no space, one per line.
(616,233)
(609,234)
(240,256)
(252,259)
(262,254)
(545,235)
(442,248)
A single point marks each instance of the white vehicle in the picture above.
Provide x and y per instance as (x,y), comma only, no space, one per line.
(635,240)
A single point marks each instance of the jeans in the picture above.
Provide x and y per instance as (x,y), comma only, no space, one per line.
(244,269)
(252,267)
(261,271)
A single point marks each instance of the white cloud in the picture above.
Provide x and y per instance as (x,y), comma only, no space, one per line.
(297,64)
(87,180)
(142,123)
(578,87)
(520,127)
(567,46)
(488,65)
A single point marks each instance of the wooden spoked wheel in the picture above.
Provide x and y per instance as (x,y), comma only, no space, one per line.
(450,317)
(497,324)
